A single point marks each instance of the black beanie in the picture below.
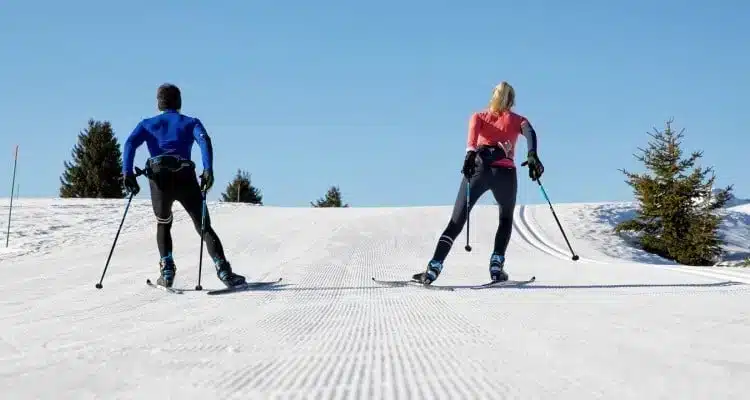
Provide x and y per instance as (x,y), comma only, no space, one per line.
(168,97)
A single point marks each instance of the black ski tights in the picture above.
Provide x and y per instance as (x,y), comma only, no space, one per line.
(181,186)
(503,183)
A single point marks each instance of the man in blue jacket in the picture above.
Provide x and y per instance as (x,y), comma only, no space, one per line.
(169,137)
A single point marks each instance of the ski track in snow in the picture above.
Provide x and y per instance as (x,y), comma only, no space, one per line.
(617,324)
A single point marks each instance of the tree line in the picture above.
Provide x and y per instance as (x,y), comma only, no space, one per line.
(95,171)
(677,206)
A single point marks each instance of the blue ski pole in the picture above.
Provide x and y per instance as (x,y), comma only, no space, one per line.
(544,193)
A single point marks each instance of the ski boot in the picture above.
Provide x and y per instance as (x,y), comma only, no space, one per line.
(167,270)
(497,273)
(225,274)
(433,271)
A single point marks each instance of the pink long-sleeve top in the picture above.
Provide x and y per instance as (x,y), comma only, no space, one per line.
(487,128)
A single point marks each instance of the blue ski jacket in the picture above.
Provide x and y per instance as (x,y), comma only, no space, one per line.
(169,133)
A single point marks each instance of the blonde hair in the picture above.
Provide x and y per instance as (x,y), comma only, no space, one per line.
(503,97)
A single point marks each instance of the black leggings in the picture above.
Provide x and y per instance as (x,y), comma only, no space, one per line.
(503,183)
(182,186)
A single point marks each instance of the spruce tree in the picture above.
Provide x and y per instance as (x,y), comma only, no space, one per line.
(676,216)
(241,190)
(332,198)
(96,168)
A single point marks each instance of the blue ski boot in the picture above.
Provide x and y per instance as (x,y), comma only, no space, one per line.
(433,271)
(225,274)
(167,269)
(497,273)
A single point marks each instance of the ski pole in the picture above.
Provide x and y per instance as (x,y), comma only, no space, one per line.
(468,212)
(138,172)
(203,232)
(544,193)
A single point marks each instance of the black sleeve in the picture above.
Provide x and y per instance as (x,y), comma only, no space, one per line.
(528,131)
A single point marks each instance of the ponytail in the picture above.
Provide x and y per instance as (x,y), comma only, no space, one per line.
(503,98)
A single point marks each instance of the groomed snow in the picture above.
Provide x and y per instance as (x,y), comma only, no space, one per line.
(617,324)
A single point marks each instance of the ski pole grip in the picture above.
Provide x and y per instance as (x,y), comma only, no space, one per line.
(538,180)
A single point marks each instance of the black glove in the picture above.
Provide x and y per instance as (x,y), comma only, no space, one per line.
(207,180)
(470,166)
(131,184)
(536,169)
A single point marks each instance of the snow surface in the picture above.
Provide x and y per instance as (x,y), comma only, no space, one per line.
(617,324)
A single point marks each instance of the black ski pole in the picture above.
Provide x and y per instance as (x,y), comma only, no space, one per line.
(468,212)
(203,232)
(106,265)
(544,193)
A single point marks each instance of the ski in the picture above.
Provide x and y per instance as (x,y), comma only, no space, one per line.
(164,288)
(403,283)
(508,283)
(411,283)
(242,288)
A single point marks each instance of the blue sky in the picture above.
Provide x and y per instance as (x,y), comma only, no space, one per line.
(375,96)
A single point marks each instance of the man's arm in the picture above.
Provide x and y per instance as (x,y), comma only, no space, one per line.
(135,140)
(204,142)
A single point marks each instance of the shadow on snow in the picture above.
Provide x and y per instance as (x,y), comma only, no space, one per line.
(532,286)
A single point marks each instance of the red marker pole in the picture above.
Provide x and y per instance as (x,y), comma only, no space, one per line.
(12,192)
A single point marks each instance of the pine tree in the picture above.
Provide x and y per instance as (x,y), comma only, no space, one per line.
(96,169)
(331,199)
(676,216)
(241,190)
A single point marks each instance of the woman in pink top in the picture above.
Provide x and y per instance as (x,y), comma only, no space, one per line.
(489,165)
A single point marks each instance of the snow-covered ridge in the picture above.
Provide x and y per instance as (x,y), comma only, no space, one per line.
(41,226)
(616,324)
